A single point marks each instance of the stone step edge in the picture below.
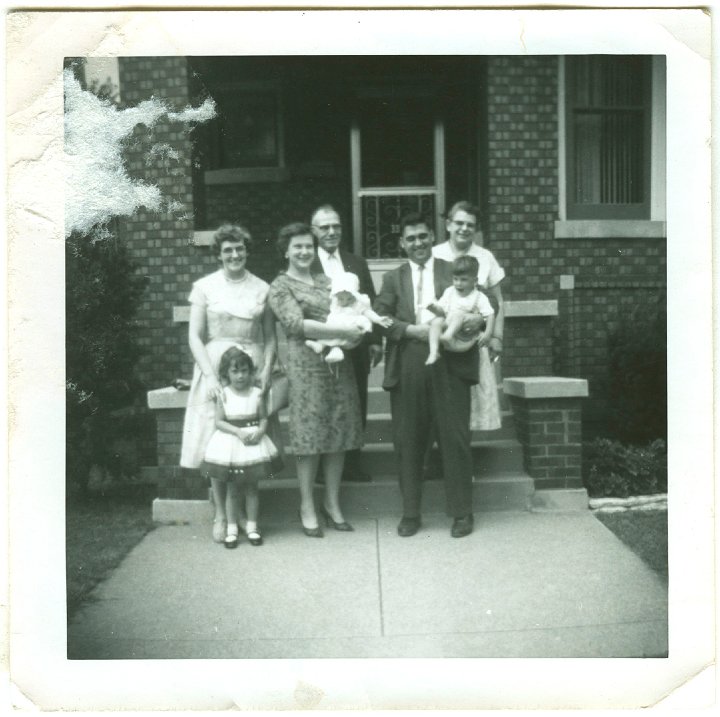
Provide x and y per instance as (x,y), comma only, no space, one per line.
(381,416)
(497,443)
(378,480)
(382,481)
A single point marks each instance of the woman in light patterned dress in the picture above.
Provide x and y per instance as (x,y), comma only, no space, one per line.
(324,404)
(462,228)
(227,308)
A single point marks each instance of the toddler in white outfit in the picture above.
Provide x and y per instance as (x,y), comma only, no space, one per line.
(457,302)
(348,307)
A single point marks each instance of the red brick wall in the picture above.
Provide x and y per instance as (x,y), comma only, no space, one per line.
(521,207)
(265,207)
(522,171)
(160,242)
(521,201)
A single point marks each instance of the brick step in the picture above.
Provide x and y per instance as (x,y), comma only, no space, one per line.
(279,498)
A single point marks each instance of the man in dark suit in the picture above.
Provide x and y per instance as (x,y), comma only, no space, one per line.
(422,396)
(332,259)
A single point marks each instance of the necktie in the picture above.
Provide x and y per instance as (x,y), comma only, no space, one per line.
(333,265)
(419,295)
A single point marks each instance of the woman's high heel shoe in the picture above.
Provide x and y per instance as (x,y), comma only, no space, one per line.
(344,526)
(311,532)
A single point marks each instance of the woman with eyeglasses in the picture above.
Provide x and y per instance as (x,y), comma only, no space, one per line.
(465,239)
(227,308)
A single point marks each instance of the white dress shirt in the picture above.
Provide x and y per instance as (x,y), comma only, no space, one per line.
(331,263)
(428,289)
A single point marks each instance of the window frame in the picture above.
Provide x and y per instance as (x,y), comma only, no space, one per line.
(599,211)
(275,170)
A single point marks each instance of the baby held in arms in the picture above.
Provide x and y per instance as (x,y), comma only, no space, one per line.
(350,308)
(459,301)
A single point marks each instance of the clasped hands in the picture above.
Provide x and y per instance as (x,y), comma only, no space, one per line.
(250,437)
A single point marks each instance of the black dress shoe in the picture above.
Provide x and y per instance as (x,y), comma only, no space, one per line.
(408,527)
(462,526)
(311,532)
(344,526)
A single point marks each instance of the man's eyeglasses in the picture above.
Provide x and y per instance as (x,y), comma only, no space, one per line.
(327,227)
(469,225)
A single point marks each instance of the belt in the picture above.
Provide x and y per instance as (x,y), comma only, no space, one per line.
(243,422)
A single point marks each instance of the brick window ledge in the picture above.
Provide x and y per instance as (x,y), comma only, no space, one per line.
(610,228)
(247,175)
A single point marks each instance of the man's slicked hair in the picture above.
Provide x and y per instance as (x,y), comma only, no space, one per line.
(413,218)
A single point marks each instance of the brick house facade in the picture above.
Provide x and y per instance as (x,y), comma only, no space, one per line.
(504,146)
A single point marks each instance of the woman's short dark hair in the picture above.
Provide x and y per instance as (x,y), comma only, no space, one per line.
(234,356)
(289,232)
(464,206)
(465,266)
(233,233)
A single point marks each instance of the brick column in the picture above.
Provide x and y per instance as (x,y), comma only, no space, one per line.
(548,412)
(173,482)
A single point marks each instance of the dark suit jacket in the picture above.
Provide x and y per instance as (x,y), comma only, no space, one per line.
(358,266)
(396,299)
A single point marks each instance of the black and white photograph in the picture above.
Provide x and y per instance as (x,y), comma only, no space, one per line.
(368,335)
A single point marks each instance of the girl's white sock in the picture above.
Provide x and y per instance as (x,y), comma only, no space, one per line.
(251,526)
(232,529)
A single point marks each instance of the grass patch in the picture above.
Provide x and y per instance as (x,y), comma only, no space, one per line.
(100,531)
(645,533)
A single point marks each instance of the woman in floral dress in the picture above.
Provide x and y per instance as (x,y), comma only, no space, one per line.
(324,405)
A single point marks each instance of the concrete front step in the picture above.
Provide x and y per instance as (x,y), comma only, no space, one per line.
(279,498)
(490,457)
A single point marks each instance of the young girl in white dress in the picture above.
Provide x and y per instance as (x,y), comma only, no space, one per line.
(239,452)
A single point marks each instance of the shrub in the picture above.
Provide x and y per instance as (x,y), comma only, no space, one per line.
(637,372)
(613,469)
(102,296)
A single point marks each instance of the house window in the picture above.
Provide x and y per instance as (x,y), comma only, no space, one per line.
(249,129)
(245,143)
(608,127)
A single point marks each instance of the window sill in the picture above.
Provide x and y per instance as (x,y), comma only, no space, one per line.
(610,228)
(247,175)
(535,308)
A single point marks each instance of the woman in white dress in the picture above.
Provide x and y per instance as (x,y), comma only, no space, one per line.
(227,308)
(462,227)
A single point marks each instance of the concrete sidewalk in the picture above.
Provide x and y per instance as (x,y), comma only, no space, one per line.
(522,585)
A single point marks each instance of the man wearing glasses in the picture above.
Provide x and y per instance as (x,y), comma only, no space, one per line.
(426,397)
(331,259)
